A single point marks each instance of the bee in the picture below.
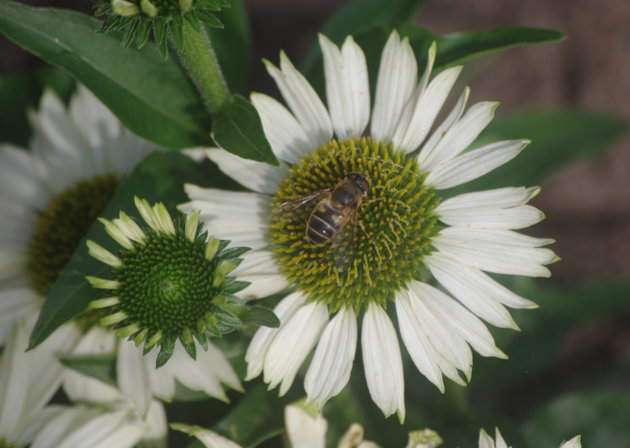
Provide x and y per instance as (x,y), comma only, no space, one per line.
(334,218)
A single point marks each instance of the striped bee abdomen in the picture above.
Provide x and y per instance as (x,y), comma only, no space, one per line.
(324,221)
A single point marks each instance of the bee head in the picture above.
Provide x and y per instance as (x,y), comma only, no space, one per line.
(361,181)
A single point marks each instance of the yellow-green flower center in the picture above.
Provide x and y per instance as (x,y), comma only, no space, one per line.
(61,226)
(386,234)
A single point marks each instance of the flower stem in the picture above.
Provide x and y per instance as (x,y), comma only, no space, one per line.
(201,62)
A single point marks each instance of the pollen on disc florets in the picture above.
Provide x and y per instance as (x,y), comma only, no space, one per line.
(394,224)
(60,227)
(168,282)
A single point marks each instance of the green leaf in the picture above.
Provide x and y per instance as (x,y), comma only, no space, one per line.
(233,44)
(558,139)
(539,349)
(358,16)
(601,417)
(100,367)
(19,93)
(260,316)
(238,129)
(150,95)
(457,48)
(158,178)
(452,49)
(257,417)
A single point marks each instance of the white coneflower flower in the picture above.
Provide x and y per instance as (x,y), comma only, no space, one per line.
(485,441)
(169,288)
(49,197)
(304,430)
(354,221)
(52,193)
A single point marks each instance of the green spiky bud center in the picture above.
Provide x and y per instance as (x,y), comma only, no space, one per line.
(60,227)
(166,283)
(393,228)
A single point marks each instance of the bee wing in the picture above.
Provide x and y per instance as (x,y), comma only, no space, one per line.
(294,204)
(343,243)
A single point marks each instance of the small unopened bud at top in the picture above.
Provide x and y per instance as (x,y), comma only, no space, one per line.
(124,8)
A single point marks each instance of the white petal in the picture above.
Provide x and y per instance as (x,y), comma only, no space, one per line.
(331,366)
(81,388)
(477,281)
(156,424)
(286,136)
(16,224)
(44,359)
(17,303)
(14,380)
(499,439)
(397,76)
(132,376)
(303,430)
(418,345)
(474,164)
(382,362)
(216,361)
(93,120)
(459,136)
(452,350)
(105,431)
(439,132)
(303,101)
(210,439)
(457,279)
(410,134)
(228,215)
(292,344)
(501,208)
(261,270)
(498,251)
(257,176)
(347,88)
(18,178)
(458,319)
(264,336)
(197,374)
(485,441)
(573,443)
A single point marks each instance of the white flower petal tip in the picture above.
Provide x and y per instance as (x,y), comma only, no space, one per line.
(575,442)
(331,366)
(210,439)
(382,362)
(304,428)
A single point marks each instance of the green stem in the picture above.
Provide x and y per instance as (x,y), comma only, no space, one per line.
(203,67)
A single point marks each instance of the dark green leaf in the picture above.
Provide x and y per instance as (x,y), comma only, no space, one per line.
(452,49)
(101,367)
(601,417)
(232,44)
(257,417)
(357,16)
(558,139)
(157,178)
(19,93)
(260,316)
(150,95)
(238,129)
(457,48)
(536,354)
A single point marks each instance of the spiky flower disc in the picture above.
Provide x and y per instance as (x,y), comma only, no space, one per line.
(392,235)
(168,282)
(140,18)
